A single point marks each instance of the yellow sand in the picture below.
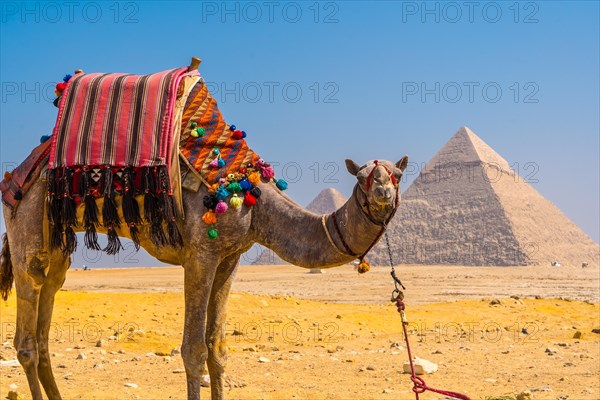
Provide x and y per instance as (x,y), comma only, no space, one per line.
(320,350)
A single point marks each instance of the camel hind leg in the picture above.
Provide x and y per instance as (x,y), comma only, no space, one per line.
(29,278)
(35,302)
(59,265)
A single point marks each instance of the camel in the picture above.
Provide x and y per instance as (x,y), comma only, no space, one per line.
(295,234)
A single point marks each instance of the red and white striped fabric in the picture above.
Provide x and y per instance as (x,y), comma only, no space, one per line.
(116,119)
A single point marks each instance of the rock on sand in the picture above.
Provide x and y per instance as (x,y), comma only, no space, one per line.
(422,366)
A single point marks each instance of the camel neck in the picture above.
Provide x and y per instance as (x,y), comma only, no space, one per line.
(355,227)
(299,237)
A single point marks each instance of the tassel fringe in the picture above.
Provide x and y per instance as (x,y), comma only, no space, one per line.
(70,241)
(66,187)
(151,207)
(175,238)
(130,207)
(91,238)
(134,233)
(68,204)
(114,243)
(90,213)
(68,211)
(56,237)
(110,215)
(157,235)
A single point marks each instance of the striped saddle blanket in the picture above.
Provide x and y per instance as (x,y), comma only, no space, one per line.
(116,134)
(116,119)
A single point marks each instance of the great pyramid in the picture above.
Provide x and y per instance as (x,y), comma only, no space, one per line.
(327,201)
(468,207)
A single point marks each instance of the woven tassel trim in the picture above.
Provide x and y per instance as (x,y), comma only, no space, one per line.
(68,187)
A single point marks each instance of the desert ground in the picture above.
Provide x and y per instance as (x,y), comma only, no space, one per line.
(335,335)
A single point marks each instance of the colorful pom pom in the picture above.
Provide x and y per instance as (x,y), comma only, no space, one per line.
(214,163)
(231,177)
(67,77)
(222,193)
(245,185)
(363,267)
(200,131)
(213,233)
(232,127)
(254,178)
(220,163)
(255,191)
(237,135)
(216,151)
(243,134)
(267,172)
(44,138)
(60,86)
(281,184)
(7,176)
(194,133)
(234,187)
(221,207)
(193,124)
(210,201)
(243,171)
(249,200)
(235,201)
(209,217)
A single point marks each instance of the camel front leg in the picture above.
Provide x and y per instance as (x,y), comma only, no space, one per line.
(54,281)
(215,332)
(198,281)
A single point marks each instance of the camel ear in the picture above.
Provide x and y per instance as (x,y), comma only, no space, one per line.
(352,167)
(401,165)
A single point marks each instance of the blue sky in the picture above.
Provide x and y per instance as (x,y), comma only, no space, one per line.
(315,83)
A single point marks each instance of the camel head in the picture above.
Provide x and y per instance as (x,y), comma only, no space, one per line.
(378,181)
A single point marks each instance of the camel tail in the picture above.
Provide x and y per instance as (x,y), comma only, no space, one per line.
(6,269)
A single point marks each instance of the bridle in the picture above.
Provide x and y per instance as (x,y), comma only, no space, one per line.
(367,213)
(365,206)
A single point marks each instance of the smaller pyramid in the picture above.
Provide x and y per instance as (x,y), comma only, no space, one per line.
(326,202)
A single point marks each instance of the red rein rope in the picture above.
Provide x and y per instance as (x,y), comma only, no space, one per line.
(419,385)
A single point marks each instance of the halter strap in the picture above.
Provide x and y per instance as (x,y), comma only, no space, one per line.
(339,232)
(348,250)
